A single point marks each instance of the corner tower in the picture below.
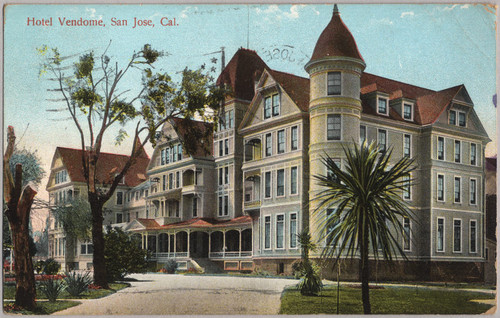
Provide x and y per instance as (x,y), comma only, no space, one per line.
(335,107)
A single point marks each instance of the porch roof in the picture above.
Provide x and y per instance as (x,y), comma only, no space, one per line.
(197,223)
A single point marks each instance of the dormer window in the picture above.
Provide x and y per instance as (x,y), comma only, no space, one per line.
(334,83)
(271,106)
(407,111)
(453,117)
(461,119)
(382,106)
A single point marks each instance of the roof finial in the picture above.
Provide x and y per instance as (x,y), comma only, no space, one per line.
(335,9)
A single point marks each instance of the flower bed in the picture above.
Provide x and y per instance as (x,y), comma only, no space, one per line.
(38,278)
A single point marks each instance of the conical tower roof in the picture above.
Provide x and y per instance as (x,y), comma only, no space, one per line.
(336,40)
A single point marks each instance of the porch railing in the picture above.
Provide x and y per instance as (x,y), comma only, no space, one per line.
(230,254)
(170,255)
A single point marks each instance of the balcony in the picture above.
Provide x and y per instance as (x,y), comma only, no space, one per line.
(253,150)
(252,190)
(239,254)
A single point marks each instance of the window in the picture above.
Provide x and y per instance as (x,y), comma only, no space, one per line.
(267,232)
(267,107)
(440,187)
(195,207)
(226,147)
(221,148)
(281,141)
(440,148)
(473,191)
(333,129)
(167,155)
(164,184)
(280,189)
(294,138)
(231,119)
(458,194)
(269,145)
(473,236)
(119,198)
(457,151)
(293,230)
(382,106)
(177,179)
(276,105)
(440,235)
(61,176)
(334,83)
(268,184)
(221,206)
(293,180)
(226,175)
(170,181)
(473,154)
(457,235)
(407,145)
(280,227)
(406,234)
(136,196)
(461,119)
(163,159)
(119,218)
(407,111)
(382,140)
(362,134)
(330,222)
(226,205)
(453,117)
(221,176)
(174,155)
(406,188)
(86,248)
(179,153)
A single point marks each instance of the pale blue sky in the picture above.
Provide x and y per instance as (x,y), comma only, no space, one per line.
(434,46)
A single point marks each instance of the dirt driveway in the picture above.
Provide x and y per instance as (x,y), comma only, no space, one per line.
(161,294)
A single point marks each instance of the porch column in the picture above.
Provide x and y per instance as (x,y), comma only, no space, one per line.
(168,248)
(209,243)
(188,235)
(240,243)
(223,243)
(142,240)
(175,243)
(157,244)
(146,240)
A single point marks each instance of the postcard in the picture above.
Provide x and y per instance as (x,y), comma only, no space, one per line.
(257,159)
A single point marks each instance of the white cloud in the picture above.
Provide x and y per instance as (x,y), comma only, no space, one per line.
(450,8)
(465,6)
(294,11)
(270,9)
(92,12)
(184,13)
(407,14)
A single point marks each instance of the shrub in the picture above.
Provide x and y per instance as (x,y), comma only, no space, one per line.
(122,256)
(52,288)
(51,267)
(77,283)
(259,272)
(310,282)
(39,266)
(171,266)
(297,268)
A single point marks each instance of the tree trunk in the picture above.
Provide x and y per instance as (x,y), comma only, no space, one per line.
(364,270)
(100,275)
(23,266)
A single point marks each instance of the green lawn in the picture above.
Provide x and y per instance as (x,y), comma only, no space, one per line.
(43,307)
(9,292)
(390,300)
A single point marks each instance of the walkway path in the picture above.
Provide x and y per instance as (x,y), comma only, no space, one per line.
(161,294)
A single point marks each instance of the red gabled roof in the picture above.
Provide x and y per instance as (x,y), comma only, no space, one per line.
(196,136)
(241,73)
(148,223)
(336,40)
(297,87)
(429,103)
(108,166)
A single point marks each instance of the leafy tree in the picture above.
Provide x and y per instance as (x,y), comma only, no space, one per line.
(368,203)
(96,99)
(122,255)
(19,173)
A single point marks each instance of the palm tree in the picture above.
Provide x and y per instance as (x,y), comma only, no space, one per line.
(367,197)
